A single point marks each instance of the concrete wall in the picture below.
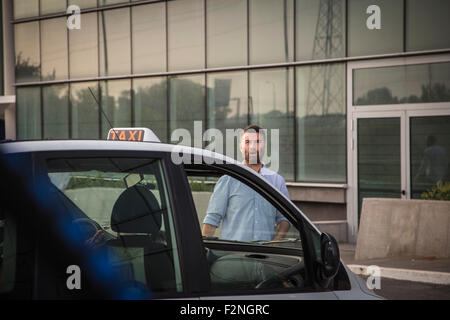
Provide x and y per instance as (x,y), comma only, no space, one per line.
(325,206)
(403,228)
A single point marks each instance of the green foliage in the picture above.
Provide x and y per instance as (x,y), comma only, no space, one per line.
(200,185)
(92,182)
(440,192)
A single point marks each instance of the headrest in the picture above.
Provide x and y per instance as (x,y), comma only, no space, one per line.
(136,211)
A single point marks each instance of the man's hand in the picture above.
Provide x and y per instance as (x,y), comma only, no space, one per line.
(282,229)
(208,230)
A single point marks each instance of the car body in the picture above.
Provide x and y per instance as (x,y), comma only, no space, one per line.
(58,196)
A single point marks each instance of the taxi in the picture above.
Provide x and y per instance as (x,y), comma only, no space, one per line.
(120,219)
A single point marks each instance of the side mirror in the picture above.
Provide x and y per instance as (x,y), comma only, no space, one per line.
(329,251)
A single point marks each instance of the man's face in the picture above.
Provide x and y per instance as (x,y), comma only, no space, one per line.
(252,147)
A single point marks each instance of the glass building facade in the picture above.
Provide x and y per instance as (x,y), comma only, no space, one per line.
(281,64)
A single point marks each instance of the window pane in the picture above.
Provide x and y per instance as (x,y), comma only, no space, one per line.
(186,35)
(116,103)
(430,153)
(388,39)
(84,4)
(402,84)
(187,104)
(427,24)
(54,49)
(320,29)
(150,105)
(52,6)
(321,123)
(28,113)
(115,46)
(149,38)
(139,244)
(227,106)
(26,8)
(56,112)
(26,41)
(83,46)
(85,111)
(379,159)
(271,31)
(227,32)
(272,107)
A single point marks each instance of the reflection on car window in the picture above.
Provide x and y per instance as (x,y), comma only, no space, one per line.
(121,205)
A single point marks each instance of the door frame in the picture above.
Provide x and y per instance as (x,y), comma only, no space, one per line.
(405,111)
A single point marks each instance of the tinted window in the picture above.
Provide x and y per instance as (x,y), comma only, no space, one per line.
(26,43)
(321,123)
(226,28)
(402,84)
(427,24)
(149,38)
(186,29)
(115,42)
(83,48)
(320,29)
(271,31)
(121,205)
(364,41)
(54,49)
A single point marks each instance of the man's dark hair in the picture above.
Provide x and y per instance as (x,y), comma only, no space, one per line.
(256,129)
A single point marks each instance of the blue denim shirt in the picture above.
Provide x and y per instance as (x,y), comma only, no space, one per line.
(245,214)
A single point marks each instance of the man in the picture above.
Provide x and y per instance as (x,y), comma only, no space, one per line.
(244,213)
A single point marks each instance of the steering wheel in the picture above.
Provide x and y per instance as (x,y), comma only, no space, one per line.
(292,274)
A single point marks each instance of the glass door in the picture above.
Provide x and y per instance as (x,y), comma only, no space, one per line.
(429,151)
(379,157)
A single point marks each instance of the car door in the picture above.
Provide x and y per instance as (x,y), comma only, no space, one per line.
(254,269)
(105,191)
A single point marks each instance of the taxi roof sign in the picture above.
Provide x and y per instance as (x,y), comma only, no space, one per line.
(132,134)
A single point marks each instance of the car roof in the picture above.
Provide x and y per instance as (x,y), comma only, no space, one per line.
(97,145)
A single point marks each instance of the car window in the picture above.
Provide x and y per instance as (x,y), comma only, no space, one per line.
(245,251)
(247,216)
(122,205)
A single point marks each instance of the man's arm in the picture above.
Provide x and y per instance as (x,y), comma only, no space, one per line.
(216,208)
(208,230)
(282,228)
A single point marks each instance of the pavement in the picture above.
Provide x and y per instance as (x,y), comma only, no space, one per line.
(403,277)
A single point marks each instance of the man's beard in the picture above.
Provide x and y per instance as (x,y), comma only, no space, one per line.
(253,158)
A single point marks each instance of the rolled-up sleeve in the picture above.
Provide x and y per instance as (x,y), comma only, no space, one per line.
(218,203)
